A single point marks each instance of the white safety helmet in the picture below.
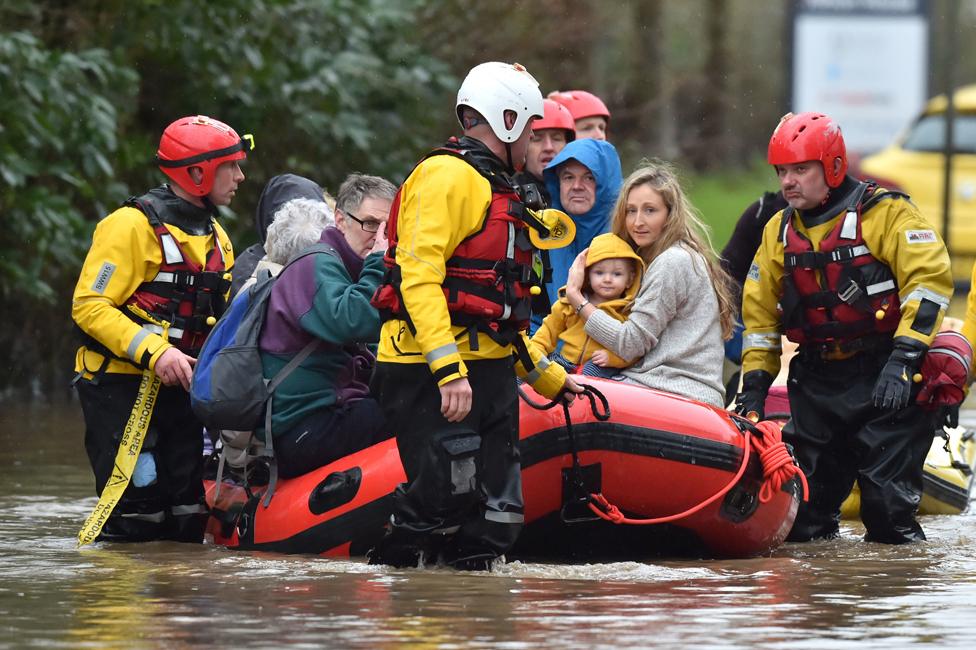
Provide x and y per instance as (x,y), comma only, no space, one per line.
(493,88)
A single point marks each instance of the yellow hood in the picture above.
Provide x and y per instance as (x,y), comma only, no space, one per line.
(608,246)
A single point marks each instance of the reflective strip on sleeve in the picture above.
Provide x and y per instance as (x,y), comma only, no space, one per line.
(504,517)
(921,292)
(136,340)
(171,250)
(887,285)
(175,333)
(762,341)
(190,509)
(441,352)
(535,373)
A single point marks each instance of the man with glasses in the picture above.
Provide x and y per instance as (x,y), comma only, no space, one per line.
(362,207)
(323,411)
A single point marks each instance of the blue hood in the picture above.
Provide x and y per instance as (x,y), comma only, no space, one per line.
(600,157)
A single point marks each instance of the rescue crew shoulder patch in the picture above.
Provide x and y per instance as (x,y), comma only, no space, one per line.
(104,275)
(921,236)
(753,272)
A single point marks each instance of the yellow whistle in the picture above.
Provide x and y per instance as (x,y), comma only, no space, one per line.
(211,321)
(917,377)
(880,314)
(534,290)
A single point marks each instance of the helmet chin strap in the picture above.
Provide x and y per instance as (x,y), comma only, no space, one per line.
(208,204)
(508,154)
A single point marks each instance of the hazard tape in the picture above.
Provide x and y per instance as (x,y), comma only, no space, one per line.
(125,459)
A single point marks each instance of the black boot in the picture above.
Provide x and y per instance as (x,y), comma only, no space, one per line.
(398,549)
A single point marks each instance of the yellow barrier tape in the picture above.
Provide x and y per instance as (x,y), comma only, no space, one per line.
(125,459)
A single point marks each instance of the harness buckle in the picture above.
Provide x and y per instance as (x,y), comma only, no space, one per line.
(842,254)
(851,292)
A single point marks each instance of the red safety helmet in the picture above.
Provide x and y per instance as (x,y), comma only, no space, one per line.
(581,103)
(556,116)
(199,141)
(809,136)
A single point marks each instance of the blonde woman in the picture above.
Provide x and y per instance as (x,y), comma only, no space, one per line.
(683,310)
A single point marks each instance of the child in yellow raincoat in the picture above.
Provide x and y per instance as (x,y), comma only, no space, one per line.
(613,276)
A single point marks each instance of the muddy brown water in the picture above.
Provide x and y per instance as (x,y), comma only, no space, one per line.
(842,593)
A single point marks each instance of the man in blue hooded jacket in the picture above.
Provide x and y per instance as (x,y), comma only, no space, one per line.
(584,180)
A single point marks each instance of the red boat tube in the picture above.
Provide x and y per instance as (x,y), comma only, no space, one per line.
(658,455)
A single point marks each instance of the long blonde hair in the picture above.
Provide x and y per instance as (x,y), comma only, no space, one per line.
(683,226)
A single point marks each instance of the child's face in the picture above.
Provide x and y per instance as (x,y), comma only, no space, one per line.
(610,278)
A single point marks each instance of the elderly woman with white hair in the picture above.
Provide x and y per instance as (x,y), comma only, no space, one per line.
(296,225)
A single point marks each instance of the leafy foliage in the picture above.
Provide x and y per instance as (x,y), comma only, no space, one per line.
(327,87)
(58,132)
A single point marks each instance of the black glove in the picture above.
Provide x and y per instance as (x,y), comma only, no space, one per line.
(752,399)
(950,415)
(894,385)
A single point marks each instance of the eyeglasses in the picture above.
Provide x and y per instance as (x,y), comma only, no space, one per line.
(369,225)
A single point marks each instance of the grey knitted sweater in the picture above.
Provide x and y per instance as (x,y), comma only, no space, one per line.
(673,330)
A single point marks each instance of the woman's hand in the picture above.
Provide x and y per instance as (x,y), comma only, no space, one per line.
(601,358)
(574,279)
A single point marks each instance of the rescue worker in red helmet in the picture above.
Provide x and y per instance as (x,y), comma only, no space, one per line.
(860,280)
(158,263)
(591,115)
(455,302)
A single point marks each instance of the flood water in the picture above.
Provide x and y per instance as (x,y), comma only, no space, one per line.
(844,593)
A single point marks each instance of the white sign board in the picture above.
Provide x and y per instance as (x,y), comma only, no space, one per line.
(864,63)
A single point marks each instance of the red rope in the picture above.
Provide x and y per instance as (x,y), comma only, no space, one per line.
(778,468)
(778,464)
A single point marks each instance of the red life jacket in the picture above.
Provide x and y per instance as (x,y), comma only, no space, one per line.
(490,273)
(188,296)
(840,293)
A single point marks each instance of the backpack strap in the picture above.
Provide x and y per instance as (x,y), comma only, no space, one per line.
(268,435)
(220,473)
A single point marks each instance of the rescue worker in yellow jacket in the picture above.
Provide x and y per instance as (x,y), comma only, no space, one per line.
(456,303)
(856,277)
(160,263)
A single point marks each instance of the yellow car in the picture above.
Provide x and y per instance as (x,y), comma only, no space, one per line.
(915,164)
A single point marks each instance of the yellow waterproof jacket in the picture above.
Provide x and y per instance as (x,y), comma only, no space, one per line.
(124,254)
(969,322)
(895,233)
(565,325)
(442,202)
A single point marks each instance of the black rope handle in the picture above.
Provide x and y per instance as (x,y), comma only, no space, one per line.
(590,392)
(582,495)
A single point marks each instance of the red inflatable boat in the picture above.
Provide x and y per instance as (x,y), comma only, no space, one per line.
(663,475)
